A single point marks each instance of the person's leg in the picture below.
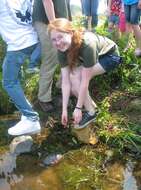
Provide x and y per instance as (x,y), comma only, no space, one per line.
(127,10)
(110,27)
(111,24)
(107,62)
(69,10)
(11,83)
(122,23)
(86,7)
(29,121)
(116,34)
(82,7)
(35,56)
(134,20)
(86,10)
(137,33)
(97,70)
(94,12)
(48,66)
(75,78)
(90,107)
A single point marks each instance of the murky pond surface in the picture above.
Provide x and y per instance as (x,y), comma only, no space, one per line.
(79,169)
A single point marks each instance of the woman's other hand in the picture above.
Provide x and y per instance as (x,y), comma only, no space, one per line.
(64,119)
(77,116)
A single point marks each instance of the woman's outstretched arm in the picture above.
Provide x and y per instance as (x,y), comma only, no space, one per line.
(49,9)
(66,87)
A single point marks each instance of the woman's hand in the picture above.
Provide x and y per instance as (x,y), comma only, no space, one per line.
(64,119)
(65,94)
(77,116)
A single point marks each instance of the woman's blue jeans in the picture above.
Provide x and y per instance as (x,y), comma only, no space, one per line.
(90,8)
(11,81)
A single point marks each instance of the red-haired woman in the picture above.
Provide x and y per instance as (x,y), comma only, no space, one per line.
(82,56)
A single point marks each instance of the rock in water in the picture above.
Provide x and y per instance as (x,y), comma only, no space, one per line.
(21,145)
(52,159)
(86,135)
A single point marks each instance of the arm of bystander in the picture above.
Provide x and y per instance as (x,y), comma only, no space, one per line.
(49,9)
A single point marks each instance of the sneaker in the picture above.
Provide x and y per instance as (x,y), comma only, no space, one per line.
(86,119)
(24,127)
(32,70)
(46,106)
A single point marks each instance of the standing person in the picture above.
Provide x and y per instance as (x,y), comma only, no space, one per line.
(21,40)
(114,9)
(90,10)
(82,56)
(132,13)
(43,12)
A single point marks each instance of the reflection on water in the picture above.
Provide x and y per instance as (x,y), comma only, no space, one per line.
(29,175)
(7,167)
(129,179)
(4,185)
(7,164)
(24,172)
(45,180)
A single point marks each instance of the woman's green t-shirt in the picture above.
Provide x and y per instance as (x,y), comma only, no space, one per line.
(92,47)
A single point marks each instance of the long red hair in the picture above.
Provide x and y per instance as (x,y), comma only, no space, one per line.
(64,25)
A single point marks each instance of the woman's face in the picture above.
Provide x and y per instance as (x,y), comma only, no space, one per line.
(61,40)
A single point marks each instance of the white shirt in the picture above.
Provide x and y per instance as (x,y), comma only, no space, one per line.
(16,36)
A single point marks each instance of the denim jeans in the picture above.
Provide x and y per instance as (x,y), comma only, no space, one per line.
(132,13)
(35,56)
(110,60)
(90,8)
(11,81)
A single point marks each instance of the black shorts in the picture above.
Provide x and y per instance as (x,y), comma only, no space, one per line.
(110,61)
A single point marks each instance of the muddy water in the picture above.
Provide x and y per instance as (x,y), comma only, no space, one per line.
(78,170)
(29,175)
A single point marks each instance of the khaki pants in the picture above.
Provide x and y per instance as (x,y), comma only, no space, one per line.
(49,63)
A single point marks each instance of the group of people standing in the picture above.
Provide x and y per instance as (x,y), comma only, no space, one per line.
(125,15)
(30,27)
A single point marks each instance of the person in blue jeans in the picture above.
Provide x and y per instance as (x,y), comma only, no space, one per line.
(20,45)
(132,14)
(34,60)
(90,10)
